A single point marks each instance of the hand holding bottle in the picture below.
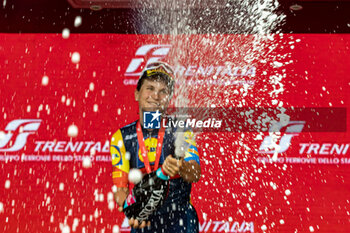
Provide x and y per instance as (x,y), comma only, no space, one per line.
(148,195)
(171,165)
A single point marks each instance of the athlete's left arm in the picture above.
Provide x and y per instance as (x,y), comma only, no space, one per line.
(190,169)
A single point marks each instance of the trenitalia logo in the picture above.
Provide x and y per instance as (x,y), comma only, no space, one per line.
(18,131)
(270,146)
(212,226)
(226,226)
(26,127)
(154,52)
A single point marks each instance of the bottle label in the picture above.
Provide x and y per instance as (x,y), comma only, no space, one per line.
(129,200)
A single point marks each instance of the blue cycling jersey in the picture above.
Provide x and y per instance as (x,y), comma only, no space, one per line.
(176,214)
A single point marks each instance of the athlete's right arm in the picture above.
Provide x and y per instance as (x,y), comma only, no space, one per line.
(121,168)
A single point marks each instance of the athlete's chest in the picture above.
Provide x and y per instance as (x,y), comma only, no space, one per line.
(151,142)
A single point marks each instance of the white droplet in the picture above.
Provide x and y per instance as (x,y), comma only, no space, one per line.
(72,131)
(135,175)
(101,197)
(287,192)
(127,155)
(230,219)
(111,205)
(110,197)
(96,213)
(91,86)
(77,21)
(311,228)
(2,135)
(64,228)
(76,57)
(48,200)
(115,229)
(274,157)
(65,33)
(75,223)
(7,184)
(277,64)
(114,189)
(181,222)
(273,185)
(282,221)
(205,216)
(61,187)
(86,162)
(45,80)
(1,208)
(95,107)
(264,227)
(274,102)
(92,151)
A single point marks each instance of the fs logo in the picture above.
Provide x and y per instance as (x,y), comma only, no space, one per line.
(25,126)
(269,145)
(146,53)
(151,120)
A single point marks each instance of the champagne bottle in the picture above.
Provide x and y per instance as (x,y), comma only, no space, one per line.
(181,146)
(146,196)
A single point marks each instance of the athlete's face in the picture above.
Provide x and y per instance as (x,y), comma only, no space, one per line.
(153,95)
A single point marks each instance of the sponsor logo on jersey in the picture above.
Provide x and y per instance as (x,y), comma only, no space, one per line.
(151,146)
(116,156)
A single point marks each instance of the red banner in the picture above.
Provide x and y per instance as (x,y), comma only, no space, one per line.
(62,99)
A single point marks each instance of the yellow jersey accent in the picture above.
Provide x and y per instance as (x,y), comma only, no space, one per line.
(118,152)
(151,147)
(189,138)
(116,174)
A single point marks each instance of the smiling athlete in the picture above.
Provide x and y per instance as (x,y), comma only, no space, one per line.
(133,146)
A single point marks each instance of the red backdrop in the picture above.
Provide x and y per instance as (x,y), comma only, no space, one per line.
(45,187)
